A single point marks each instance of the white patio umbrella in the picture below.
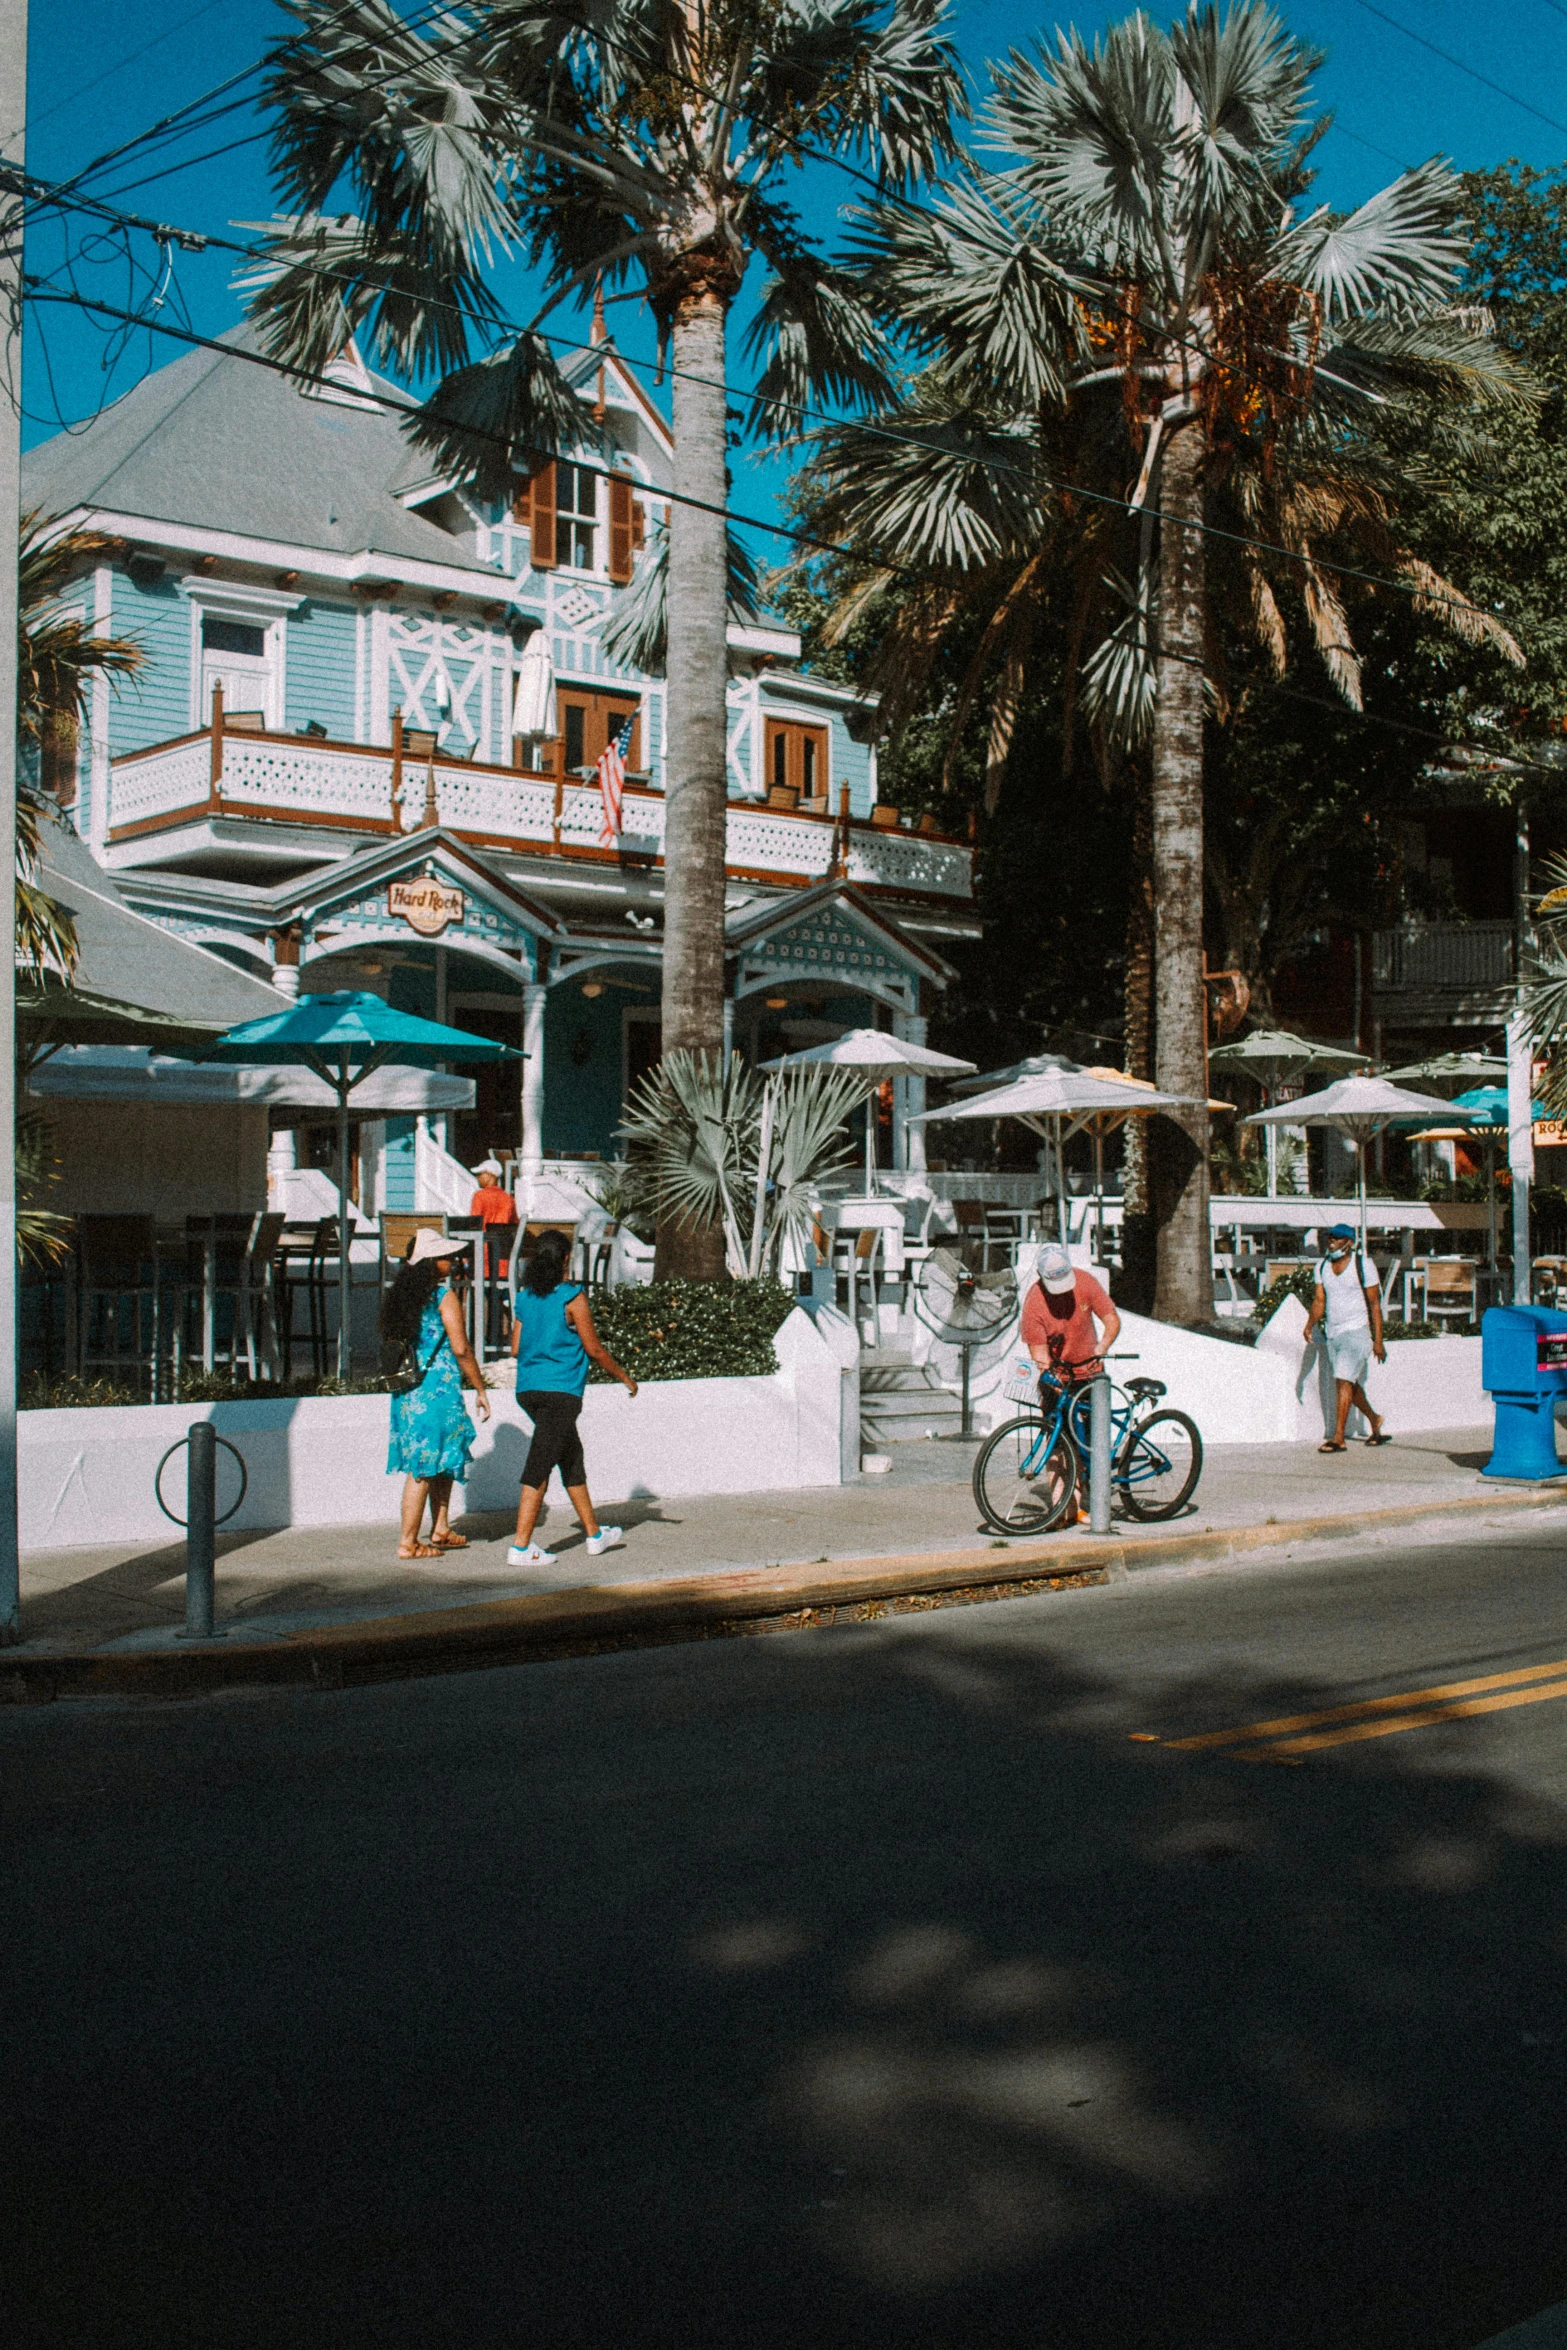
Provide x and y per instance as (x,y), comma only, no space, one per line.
(533,706)
(1359,1107)
(1271,1055)
(1058,1103)
(988,1079)
(875,1054)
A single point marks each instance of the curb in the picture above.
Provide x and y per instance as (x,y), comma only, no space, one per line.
(597,1620)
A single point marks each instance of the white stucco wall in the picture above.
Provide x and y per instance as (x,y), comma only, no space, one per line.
(87,1476)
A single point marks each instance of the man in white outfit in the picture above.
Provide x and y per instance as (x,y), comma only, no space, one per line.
(1348,1298)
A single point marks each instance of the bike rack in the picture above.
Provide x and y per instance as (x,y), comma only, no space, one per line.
(201,1521)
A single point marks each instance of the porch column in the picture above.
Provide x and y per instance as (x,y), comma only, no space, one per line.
(534,997)
(908,1142)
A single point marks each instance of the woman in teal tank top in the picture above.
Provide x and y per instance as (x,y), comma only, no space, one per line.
(554,1341)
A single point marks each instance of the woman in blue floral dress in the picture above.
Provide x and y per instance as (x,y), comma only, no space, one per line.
(432,1435)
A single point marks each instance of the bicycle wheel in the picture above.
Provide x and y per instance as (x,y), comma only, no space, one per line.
(1025,1478)
(1159,1465)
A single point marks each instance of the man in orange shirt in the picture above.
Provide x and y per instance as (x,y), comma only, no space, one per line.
(1059,1314)
(490,1201)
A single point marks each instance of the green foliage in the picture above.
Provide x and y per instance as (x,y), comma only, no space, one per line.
(68,1393)
(692,1329)
(1301,1283)
(43,1236)
(712,1142)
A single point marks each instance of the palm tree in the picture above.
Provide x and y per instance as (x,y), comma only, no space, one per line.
(644,140)
(1142,256)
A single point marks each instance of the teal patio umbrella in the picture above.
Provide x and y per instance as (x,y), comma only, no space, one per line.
(344,1037)
(1481,1113)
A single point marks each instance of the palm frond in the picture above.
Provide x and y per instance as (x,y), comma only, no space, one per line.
(978,277)
(43,1235)
(1121,675)
(1400,252)
(494,423)
(812,337)
(636,634)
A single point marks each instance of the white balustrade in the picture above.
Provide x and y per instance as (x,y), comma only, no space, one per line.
(156,783)
(298,774)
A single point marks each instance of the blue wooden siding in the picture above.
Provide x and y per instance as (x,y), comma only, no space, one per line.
(583,1067)
(319,668)
(398,1166)
(155,704)
(850,763)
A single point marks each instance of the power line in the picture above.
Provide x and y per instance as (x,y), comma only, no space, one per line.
(1513,760)
(875,430)
(30,122)
(1448,58)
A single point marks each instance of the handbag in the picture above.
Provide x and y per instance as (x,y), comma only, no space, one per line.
(401,1369)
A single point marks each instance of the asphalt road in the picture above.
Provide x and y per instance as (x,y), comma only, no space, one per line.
(904,1984)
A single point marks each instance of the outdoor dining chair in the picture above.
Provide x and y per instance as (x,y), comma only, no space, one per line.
(229,1258)
(1447,1288)
(118,1302)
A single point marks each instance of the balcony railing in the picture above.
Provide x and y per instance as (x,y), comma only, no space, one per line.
(1456,958)
(293,778)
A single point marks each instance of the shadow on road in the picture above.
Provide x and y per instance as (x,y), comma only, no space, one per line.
(870,1987)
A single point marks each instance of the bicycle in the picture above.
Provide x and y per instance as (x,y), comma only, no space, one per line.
(1027,1476)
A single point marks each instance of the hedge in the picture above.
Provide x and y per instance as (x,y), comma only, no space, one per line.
(692,1329)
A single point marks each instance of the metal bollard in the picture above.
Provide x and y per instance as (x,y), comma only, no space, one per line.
(1099,1457)
(201,1531)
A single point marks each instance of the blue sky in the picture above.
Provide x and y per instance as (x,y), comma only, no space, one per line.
(100,73)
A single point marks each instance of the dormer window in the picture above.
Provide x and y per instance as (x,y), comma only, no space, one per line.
(576,516)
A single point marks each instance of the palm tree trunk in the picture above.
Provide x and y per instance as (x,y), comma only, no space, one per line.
(1184,1287)
(696,748)
(1136,1288)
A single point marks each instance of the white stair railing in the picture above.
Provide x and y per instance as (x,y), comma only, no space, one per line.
(442,1185)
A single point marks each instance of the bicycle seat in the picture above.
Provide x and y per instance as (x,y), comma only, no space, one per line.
(1145,1389)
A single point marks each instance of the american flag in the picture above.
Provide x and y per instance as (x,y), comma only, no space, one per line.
(611,773)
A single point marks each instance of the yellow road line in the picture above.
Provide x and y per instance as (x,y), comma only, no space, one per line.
(1284,1748)
(1369,1705)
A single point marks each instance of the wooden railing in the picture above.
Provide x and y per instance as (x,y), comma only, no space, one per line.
(302,779)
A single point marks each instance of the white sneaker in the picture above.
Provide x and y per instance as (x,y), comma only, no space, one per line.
(607,1538)
(535,1555)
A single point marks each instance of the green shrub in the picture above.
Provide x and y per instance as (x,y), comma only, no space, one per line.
(1301,1283)
(67,1393)
(692,1329)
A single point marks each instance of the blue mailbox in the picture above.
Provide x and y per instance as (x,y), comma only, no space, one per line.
(1523,1368)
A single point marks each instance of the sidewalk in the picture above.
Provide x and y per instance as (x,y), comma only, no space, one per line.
(914,1530)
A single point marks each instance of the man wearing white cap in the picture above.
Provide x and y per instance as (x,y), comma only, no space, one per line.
(491,1201)
(1059,1317)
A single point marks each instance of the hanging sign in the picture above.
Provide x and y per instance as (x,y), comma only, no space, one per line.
(1550,1133)
(425,905)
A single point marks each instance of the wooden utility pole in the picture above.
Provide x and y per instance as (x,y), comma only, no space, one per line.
(13,152)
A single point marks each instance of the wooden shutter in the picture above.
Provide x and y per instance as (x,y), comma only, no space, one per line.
(620,530)
(638,523)
(542,509)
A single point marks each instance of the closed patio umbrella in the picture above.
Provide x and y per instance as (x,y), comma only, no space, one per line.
(533,708)
(1359,1107)
(345,1036)
(875,1054)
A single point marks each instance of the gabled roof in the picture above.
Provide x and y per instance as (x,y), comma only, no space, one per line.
(215,442)
(349,877)
(748,926)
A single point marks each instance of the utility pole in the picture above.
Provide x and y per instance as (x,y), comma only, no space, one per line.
(1520,1064)
(13,153)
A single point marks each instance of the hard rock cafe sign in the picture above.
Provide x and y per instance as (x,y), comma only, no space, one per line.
(426,905)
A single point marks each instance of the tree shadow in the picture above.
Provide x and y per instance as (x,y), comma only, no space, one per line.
(881,1985)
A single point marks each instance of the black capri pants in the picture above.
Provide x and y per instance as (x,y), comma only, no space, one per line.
(556,1443)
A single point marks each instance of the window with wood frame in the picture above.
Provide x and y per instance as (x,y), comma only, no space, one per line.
(796,759)
(588,724)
